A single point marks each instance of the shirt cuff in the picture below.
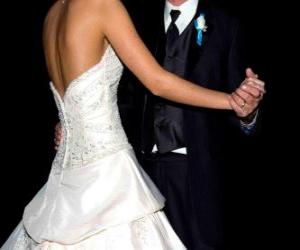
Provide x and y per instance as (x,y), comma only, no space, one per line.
(249,127)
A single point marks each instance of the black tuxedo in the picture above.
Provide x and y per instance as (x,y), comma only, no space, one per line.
(217,64)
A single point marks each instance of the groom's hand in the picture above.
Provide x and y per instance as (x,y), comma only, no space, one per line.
(247,97)
(57,135)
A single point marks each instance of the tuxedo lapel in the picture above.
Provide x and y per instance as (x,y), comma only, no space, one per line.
(161,37)
(158,50)
(196,51)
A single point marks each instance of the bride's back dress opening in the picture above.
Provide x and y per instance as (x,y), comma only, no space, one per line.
(97,196)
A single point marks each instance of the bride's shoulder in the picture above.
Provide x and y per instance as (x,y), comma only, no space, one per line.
(94,2)
(95,5)
(93,9)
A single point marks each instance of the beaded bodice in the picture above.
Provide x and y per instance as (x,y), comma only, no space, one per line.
(89,115)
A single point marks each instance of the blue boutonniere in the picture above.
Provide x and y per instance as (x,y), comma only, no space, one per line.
(200,27)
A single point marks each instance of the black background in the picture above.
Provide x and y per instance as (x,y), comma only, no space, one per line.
(260,198)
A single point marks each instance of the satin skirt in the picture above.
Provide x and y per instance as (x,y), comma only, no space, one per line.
(108,204)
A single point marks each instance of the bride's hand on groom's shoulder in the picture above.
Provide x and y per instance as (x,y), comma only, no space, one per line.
(57,135)
(246,99)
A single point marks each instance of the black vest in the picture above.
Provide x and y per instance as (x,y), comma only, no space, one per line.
(168,116)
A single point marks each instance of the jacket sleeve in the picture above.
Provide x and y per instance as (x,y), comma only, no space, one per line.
(237,64)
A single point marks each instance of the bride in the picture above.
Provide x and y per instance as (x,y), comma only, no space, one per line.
(97,196)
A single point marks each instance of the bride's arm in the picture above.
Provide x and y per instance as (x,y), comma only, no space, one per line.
(120,32)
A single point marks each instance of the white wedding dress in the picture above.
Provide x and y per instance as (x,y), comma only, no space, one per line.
(97,196)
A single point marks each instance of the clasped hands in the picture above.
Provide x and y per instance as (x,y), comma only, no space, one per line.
(247,97)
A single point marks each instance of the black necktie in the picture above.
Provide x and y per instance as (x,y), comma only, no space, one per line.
(172,32)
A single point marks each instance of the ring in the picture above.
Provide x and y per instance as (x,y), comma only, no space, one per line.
(243,104)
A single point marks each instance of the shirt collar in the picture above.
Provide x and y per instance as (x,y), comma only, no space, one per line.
(188,11)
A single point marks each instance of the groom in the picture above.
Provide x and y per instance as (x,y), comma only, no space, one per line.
(185,150)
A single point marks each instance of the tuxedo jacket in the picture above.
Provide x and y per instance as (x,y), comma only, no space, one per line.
(212,136)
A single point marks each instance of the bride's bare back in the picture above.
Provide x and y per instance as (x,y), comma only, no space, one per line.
(76,34)
(73,41)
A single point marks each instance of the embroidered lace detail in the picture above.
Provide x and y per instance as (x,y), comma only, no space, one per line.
(22,241)
(89,115)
